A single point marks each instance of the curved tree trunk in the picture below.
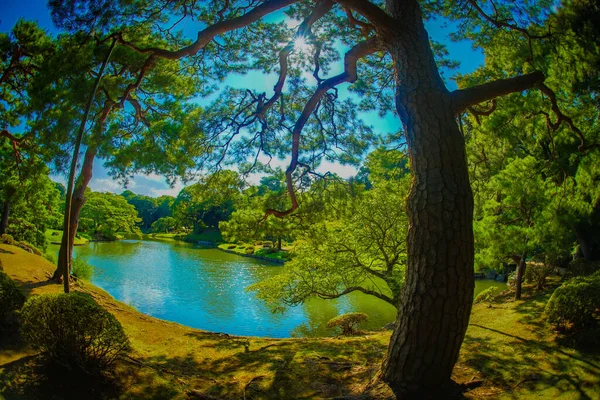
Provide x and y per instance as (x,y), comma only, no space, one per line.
(66,250)
(437,296)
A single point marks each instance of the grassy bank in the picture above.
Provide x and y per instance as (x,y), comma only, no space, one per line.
(508,346)
(258,249)
(54,236)
(208,235)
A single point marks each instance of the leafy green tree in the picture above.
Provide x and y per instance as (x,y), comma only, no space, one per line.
(393,70)
(361,247)
(146,208)
(165,224)
(248,222)
(106,214)
(30,200)
(209,201)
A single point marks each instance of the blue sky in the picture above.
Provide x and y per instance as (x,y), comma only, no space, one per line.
(153,185)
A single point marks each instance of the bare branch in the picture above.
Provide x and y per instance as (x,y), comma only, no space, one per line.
(206,35)
(351,289)
(485,113)
(378,18)
(303,30)
(562,117)
(365,28)
(465,98)
(498,23)
(359,51)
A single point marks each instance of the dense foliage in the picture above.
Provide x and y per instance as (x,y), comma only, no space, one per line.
(73,330)
(11,300)
(575,303)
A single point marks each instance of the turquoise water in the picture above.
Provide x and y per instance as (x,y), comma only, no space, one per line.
(205,289)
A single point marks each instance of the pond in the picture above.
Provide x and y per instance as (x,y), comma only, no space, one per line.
(206,289)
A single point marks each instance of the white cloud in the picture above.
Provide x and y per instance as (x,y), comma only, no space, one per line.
(153,177)
(344,171)
(170,191)
(108,185)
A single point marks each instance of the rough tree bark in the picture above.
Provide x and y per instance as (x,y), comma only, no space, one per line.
(437,296)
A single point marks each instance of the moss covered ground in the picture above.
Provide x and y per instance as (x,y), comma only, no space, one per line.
(508,347)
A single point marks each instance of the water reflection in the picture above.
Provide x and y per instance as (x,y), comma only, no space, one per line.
(206,289)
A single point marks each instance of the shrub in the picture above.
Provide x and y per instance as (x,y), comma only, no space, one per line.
(267,244)
(81,268)
(231,246)
(512,280)
(11,300)
(581,267)
(7,239)
(250,250)
(73,330)
(537,273)
(50,257)
(487,295)
(348,322)
(575,302)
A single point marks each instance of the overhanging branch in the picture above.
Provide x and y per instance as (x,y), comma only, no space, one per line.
(206,35)
(465,98)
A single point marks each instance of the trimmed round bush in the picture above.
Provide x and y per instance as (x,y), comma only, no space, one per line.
(575,302)
(348,322)
(487,295)
(73,330)
(537,273)
(11,300)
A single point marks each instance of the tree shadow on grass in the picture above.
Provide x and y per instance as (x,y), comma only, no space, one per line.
(30,286)
(31,378)
(274,369)
(516,365)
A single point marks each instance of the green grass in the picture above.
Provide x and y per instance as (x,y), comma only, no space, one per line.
(208,235)
(55,237)
(259,250)
(508,346)
(517,354)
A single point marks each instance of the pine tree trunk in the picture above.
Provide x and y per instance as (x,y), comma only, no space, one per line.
(65,253)
(436,300)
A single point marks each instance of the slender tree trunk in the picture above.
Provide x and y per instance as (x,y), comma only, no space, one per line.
(72,216)
(9,192)
(279,243)
(519,277)
(589,243)
(436,300)
(5,213)
(78,199)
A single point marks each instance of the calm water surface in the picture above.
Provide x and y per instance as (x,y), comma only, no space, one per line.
(205,289)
